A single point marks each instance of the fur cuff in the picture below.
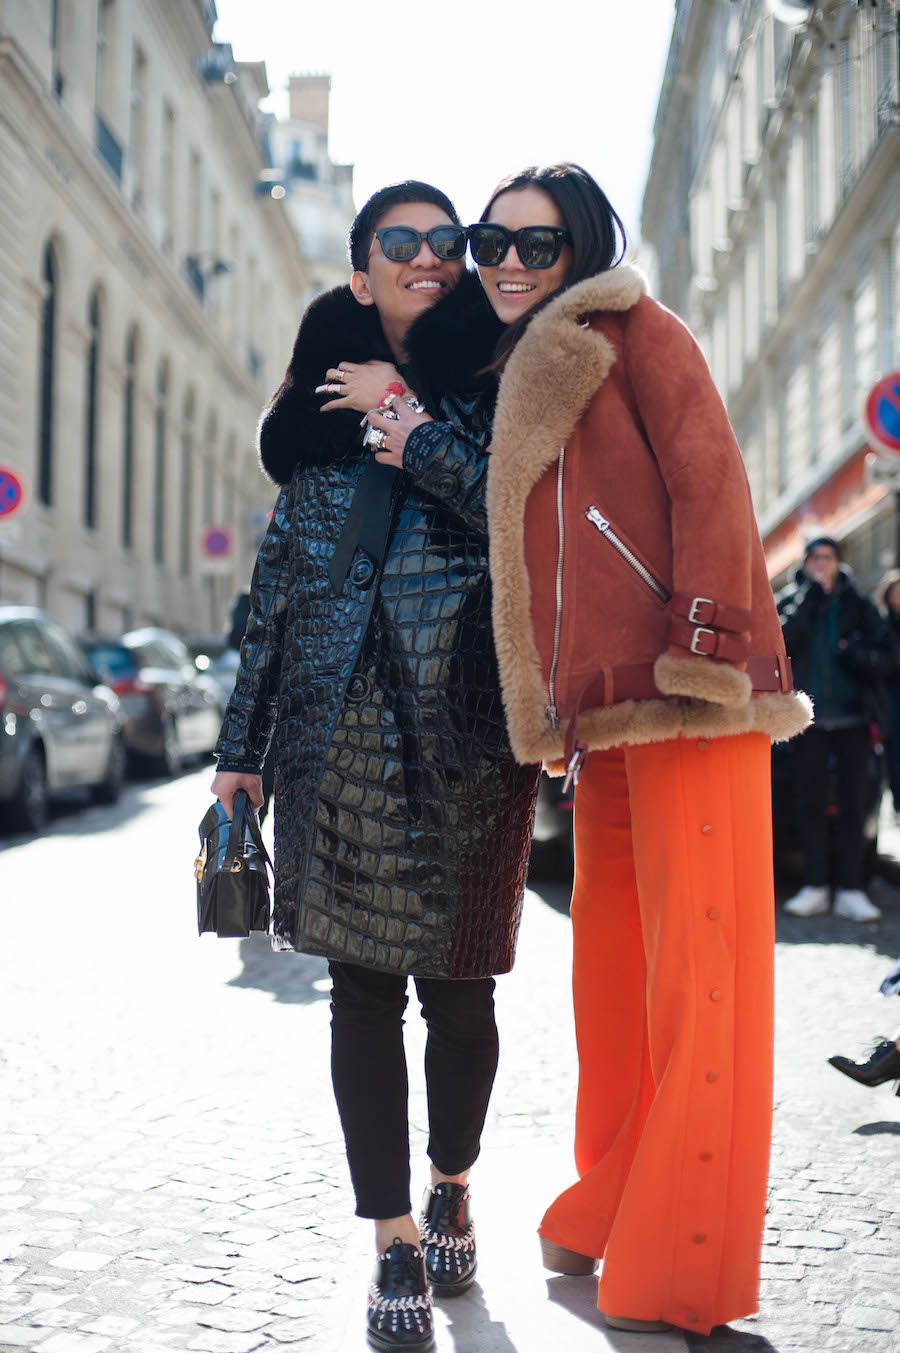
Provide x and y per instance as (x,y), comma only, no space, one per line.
(702,679)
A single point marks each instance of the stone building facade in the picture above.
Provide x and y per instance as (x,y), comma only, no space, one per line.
(773,210)
(150,287)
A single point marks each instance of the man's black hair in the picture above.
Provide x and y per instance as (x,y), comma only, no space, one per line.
(828,541)
(362,231)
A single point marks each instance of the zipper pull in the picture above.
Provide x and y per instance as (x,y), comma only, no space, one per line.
(596,517)
(552,716)
(576,761)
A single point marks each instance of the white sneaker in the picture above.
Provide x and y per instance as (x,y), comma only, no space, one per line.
(810,901)
(853,903)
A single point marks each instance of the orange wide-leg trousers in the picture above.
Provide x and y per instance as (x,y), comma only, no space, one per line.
(673,929)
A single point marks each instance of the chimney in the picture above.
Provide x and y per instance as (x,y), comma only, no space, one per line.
(308,96)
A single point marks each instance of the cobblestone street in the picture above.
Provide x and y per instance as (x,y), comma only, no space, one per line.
(171,1170)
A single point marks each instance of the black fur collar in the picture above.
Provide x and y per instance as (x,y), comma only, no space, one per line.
(448,345)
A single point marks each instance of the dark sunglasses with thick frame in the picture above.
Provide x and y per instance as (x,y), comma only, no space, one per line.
(537,246)
(402,243)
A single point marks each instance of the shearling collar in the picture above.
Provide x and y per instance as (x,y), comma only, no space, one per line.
(448,345)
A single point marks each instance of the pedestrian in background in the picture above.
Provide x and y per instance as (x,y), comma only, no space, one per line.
(637,634)
(402,821)
(889,600)
(842,654)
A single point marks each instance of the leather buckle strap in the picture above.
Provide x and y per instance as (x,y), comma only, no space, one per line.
(710,614)
(708,643)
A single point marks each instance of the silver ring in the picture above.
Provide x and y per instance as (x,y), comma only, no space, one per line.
(415,404)
(389,413)
(374,437)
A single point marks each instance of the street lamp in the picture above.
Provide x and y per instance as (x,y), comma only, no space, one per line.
(270,183)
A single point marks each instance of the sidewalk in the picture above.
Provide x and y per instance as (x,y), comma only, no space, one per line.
(172,1175)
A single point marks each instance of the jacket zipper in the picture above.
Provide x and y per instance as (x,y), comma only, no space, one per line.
(551,710)
(596,517)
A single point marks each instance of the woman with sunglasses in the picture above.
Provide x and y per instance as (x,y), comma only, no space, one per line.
(640,650)
(402,820)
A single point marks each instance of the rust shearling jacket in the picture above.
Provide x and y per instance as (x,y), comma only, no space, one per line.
(630,585)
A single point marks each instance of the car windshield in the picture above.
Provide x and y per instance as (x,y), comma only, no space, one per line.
(110,659)
(11,660)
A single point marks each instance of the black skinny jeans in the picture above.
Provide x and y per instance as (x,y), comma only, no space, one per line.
(368,1070)
(851,749)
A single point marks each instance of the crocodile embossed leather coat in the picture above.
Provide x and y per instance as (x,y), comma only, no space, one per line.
(402,821)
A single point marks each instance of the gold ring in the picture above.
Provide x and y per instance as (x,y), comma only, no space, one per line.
(341,375)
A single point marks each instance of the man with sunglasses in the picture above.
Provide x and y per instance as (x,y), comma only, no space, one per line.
(402,822)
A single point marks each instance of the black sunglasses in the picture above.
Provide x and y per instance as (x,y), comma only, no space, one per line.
(537,246)
(401,243)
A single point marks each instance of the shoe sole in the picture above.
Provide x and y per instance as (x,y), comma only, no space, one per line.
(622,1322)
(389,1346)
(570,1262)
(453,1289)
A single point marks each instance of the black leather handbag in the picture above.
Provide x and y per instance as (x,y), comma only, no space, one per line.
(231,872)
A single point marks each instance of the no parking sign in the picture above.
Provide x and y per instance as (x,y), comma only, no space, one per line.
(11,492)
(881,413)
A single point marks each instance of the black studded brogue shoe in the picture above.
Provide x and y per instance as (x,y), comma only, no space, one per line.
(399,1311)
(448,1239)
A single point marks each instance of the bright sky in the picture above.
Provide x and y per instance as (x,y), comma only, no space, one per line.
(461,92)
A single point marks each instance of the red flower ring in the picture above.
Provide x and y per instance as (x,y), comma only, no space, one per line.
(393,390)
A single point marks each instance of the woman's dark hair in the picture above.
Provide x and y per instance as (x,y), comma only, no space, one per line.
(597,232)
(363,229)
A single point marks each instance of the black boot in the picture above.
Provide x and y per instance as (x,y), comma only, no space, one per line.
(448,1239)
(883,1065)
(399,1314)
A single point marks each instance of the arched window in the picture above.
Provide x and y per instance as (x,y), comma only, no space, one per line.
(128,410)
(92,411)
(187,486)
(160,427)
(47,363)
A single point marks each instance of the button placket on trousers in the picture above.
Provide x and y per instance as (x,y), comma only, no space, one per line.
(673,921)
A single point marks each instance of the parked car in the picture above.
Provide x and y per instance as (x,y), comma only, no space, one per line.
(171,711)
(60,727)
(552,845)
(223,671)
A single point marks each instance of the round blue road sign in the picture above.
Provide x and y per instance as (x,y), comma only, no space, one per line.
(881,413)
(217,542)
(11,492)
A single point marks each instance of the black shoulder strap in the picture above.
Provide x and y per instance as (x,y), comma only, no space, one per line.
(367,523)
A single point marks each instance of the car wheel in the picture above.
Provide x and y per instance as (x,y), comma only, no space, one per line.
(169,762)
(28,811)
(110,787)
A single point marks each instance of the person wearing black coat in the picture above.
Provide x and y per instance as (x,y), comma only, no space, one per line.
(841,654)
(402,821)
(889,597)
